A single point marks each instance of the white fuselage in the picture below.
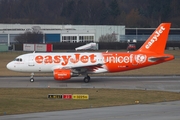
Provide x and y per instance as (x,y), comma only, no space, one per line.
(47,62)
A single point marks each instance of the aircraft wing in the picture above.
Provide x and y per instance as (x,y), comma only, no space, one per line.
(84,68)
(154,59)
(89,68)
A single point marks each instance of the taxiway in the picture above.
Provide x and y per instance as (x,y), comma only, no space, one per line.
(163,83)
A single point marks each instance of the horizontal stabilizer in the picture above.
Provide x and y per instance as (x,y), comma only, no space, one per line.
(154,59)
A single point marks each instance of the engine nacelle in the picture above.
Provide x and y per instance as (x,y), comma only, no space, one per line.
(62,74)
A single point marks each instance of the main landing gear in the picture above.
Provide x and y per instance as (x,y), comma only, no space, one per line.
(32,77)
(87,79)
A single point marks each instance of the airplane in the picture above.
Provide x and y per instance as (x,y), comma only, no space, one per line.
(67,65)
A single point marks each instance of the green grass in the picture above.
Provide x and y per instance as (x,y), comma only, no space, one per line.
(17,100)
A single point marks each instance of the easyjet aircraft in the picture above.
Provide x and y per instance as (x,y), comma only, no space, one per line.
(67,65)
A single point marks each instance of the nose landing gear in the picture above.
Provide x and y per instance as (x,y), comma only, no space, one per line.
(32,77)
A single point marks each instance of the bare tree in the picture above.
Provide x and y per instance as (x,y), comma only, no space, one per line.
(108,38)
(30,37)
(132,13)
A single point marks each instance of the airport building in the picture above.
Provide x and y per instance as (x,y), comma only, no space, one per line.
(79,33)
(60,33)
(142,34)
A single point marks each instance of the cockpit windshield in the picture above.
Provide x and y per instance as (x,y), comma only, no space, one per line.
(18,59)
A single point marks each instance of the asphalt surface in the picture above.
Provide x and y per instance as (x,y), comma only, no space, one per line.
(163,83)
(158,111)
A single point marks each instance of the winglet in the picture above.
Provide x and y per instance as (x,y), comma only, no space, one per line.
(157,41)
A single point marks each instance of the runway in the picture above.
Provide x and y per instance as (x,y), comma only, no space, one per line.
(162,83)
(156,111)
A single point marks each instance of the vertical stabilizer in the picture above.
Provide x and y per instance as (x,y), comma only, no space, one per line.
(157,41)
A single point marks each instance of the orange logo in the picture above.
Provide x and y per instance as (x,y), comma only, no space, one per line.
(64,59)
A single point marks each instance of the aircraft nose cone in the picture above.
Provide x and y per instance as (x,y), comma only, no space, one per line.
(9,66)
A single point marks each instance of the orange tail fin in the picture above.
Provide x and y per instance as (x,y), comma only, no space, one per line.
(157,41)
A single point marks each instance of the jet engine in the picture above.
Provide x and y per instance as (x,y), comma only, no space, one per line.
(62,74)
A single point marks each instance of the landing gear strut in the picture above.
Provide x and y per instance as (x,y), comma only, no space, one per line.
(87,79)
(32,77)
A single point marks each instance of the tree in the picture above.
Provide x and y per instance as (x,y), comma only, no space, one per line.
(30,37)
(108,38)
(158,11)
(133,18)
(133,13)
(114,8)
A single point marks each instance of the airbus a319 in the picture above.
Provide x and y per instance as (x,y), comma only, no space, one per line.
(67,65)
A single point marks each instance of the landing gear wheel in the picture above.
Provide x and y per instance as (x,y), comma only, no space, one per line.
(87,79)
(31,79)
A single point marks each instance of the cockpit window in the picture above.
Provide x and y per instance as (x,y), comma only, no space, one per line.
(18,59)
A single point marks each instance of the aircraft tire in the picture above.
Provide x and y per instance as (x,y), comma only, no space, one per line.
(31,79)
(87,79)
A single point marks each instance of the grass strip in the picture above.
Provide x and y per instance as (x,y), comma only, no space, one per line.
(26,100)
